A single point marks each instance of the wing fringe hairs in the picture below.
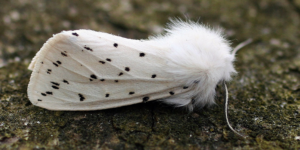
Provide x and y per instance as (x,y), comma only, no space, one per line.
(88,70)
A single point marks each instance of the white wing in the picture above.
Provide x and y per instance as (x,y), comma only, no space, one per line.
(88,70)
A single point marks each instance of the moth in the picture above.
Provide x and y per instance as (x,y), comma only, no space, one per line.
(85,70)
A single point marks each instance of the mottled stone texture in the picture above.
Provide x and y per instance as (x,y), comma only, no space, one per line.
(264,96)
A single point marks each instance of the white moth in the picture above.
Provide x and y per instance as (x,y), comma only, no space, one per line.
(87,70)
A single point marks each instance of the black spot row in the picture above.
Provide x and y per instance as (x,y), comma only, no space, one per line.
(74,33)
(47,92)
(57,63)
(103,62)
(87,48)
(49,71)
(81,98)
(55,85)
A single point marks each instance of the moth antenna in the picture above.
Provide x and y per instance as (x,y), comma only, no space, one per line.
(241,45)
(226,111)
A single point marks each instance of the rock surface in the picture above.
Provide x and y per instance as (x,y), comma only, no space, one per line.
(264,96)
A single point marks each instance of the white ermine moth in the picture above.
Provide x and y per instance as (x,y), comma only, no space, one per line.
(86,70)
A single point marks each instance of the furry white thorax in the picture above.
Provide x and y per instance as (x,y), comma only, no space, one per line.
(197,56)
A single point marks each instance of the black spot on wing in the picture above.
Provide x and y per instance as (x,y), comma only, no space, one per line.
(88,48)
(93,76)
(102,62)
(102,80)
(64,54)
(131,93)
(107,95)
(43,94)
(49,71)
(108,59)
(142,54)
(185,87)
(48,92)
(153,76)
(171,93)
(55,83)
(55,64)
(127,69)
(55,87)
(116,80)
(65,81)
(74,33)
(116,45)
(121,73)
(81,97)
(59,62)
(39,100)
(145,99)
(42,62)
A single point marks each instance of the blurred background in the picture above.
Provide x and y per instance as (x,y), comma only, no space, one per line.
(264,95)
